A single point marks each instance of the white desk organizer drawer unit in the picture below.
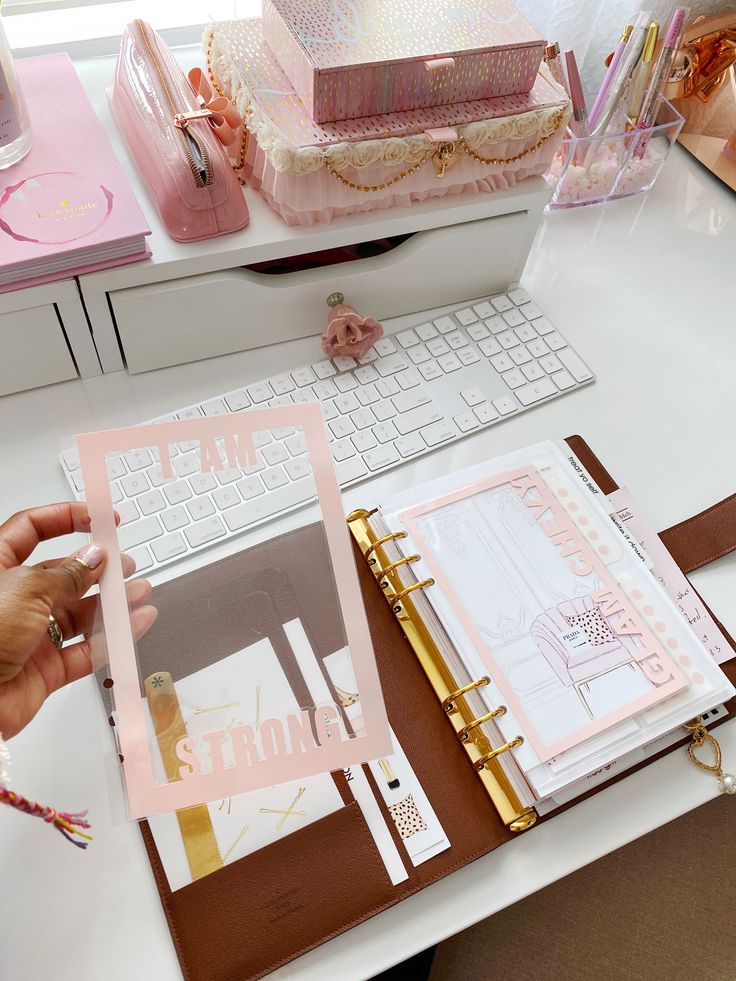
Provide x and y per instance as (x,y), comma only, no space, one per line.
(237,309)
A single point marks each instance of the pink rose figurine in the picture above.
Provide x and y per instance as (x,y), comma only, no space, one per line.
(348,334)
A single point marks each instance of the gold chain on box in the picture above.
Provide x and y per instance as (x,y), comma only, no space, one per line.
(237,167)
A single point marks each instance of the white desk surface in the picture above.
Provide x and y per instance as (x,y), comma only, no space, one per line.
(644,289)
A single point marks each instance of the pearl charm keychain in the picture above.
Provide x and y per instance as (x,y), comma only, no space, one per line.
(701,737)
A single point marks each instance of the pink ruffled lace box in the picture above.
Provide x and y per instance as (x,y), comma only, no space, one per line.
(352,58)
(311,172)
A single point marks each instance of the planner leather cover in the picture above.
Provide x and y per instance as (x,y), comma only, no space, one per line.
(258,913)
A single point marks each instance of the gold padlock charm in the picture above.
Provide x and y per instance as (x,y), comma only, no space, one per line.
(444,157)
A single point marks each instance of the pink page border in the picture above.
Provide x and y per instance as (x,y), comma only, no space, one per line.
(545,751)
(144,796)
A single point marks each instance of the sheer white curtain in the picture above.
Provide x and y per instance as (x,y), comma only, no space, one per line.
(592,27)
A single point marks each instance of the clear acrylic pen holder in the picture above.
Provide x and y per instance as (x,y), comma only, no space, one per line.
(595,169)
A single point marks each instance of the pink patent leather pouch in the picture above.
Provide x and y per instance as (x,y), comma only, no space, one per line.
(186,170)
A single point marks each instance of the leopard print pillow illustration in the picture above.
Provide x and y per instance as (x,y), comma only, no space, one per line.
(407,818)
(595,626)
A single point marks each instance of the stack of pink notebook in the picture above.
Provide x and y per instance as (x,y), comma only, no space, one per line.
(66,208)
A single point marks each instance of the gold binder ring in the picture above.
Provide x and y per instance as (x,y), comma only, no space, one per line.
(396,600)
(395,565)
(449,703)
(466,730)
(382,541)
(480,764)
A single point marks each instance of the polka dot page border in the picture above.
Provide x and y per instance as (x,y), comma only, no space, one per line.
(606,546)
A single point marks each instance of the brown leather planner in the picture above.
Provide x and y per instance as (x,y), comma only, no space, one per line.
(266,909)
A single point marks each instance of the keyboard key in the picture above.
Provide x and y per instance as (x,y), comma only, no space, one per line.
(186,464)
(384,432)
(425,415)
(71,458)
(275,453)
(439,433)
(445,324)
(466,316)
(139,532)
(127,512)
(367,394)
(496,325)
(505,405)
(449,362)
(329,411)
(282,384)
(297,444)
(237,400)
(142,558)
(555,341)
(275,477)
(550,363)
(384,410)
(325,390)
(200,507)
(430,371)
(484,309)
(177,492)
(148,503)
(465,422)
(117,494)
(227,497)
(346,403)
(535,391)
(525,333)
(520,355)
(168,547)
(507,339)
(324,369)
(574,365)
(305,376)
(214,407)
(387,387)
(478,332)
(250,487)
(307,394)
(366,374)
(363,418)
(175,518)
(193,412)
(501,302)
(134,483)
(468,355)
(514,378)
(408,378)
(490,346)
(502,362)
(419,355)
(513,317)
(473,396)
(349,470)
(438,347)
(563,380)
(531,311)
(364,440)
(426,331)
(407,338)
(410,445)
(201,482)
(384,346)
(155,475)
(298,468)
(229,476)
(76,478)
(342,449)
(382,456)
(263,507)
(456,340)
(390,365)
(543,326)
(260,392)
(368,358)
(485,413)
(411,399)
(518,296)
(532,371)
(346,383)
(205,531)
(538,348)
(135,459)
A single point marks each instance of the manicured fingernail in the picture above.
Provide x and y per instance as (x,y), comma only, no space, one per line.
(90,556)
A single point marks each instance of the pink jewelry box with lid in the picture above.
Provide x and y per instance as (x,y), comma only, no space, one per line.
(311,172)
(355,58)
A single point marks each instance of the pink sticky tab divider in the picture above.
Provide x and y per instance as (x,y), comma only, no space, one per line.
(224,691)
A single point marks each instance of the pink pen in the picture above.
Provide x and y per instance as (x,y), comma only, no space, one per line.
(660,76)
(610,74)
(579,110)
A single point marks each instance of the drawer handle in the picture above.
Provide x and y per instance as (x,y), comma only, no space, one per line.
(434,64)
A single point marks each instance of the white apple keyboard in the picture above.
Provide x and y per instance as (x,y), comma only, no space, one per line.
(414,391)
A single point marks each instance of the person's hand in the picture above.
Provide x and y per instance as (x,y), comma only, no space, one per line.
(31,667)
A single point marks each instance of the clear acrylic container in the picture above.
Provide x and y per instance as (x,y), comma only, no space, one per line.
(617,164)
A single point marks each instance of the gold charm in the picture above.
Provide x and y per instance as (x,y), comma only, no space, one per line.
(444,157)
(700,738)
